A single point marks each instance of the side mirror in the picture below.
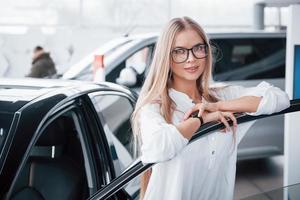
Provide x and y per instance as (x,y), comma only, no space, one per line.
(127,77)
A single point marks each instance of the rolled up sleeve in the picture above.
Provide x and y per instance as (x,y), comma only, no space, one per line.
(160,141)
(273,99)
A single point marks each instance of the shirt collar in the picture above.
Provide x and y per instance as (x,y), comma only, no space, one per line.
(183,101)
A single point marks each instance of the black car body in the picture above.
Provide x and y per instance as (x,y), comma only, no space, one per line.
(57,140)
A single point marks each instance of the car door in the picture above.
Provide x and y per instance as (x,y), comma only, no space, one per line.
(114,110)
(60,161)
(137,168)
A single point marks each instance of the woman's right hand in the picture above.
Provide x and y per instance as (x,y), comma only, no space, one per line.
(221,117)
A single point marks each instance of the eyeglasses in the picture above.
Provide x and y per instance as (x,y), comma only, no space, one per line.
(180,54)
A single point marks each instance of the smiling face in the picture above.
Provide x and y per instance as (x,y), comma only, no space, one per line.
(193,67)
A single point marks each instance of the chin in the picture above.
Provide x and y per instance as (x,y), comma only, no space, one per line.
(191,77)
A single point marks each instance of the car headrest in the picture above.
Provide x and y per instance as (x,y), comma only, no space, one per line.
(55,133)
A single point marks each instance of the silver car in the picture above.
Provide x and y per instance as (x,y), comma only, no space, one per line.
(245,59)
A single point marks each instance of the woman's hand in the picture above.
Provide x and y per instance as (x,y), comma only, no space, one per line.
(221,117)
(201,107)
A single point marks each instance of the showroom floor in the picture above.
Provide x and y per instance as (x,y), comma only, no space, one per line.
(257,176)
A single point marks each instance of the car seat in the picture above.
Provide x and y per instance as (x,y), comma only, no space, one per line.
(55,168)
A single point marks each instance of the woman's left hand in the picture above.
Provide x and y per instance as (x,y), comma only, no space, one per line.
(201,107)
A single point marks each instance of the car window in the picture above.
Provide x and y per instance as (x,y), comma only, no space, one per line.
(138,60)
(249,58)
(114,112)
(55,167)
(86,64)
(131,72)
(5,122)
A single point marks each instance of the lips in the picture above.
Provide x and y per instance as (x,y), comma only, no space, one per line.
(191,69)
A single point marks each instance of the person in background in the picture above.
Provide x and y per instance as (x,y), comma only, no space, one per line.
(42,64)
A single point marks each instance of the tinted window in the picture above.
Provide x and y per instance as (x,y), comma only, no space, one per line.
(5,122)
(114,112)
(55,168)
(246,59)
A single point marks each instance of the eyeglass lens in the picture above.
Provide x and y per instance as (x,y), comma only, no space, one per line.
(181,54)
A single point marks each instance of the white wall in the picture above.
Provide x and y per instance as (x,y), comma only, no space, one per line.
(80,26)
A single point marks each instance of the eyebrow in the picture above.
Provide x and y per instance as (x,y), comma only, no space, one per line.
(179,47)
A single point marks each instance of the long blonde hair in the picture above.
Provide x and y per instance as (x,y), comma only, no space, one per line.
(159,79)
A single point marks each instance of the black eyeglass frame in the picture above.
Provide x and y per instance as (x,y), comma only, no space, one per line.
(188,52)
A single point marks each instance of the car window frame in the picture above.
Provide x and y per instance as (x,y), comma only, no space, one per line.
(138,167)
(71,106)
(97,136)
(131,96)
(102,119)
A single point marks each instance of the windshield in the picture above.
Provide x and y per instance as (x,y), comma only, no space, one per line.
(83,67)
(5,122)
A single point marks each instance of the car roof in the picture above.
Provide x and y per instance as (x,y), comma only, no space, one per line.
(106,49)
(224,34)
(16,93)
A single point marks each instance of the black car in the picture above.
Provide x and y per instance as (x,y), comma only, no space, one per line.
(72,140)
(63,139)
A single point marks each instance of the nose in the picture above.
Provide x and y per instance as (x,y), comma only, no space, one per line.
(191,57)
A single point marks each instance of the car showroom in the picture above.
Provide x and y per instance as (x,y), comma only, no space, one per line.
(160,99)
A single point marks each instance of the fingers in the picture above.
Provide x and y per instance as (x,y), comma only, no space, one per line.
(202,109)
(223,130)
(234,122)
(198,107)
(230,116)
(224,121)
(189,112)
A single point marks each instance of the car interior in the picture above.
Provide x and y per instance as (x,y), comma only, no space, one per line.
(55,167)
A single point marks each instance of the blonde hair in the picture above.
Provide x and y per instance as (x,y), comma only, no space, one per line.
(159,78)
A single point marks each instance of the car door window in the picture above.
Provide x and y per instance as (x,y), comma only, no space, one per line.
(55,167)
(114,112)
(250,58)
(131,72)
(5,123)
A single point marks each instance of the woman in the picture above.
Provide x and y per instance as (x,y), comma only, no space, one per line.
(178,85)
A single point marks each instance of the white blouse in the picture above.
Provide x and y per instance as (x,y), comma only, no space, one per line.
(204,169)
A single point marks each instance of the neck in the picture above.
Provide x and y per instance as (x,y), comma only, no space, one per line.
(187,87)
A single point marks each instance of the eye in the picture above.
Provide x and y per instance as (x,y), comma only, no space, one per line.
(179,51)
(199,47)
